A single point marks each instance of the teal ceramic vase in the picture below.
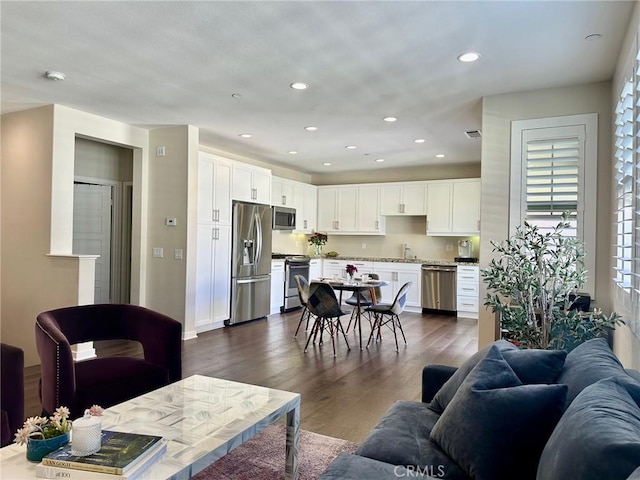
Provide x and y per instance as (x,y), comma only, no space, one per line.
(37,449)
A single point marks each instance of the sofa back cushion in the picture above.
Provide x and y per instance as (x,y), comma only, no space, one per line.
(531,366)
(598,437)
(588,363)
(495,427)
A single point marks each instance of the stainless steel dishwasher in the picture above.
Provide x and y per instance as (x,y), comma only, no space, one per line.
(439,287)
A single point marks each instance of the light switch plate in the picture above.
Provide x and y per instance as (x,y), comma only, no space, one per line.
(158,252)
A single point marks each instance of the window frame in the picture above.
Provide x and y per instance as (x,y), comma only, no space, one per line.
(587,183)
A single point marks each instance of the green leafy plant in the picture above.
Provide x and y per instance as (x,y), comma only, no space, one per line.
(533,283)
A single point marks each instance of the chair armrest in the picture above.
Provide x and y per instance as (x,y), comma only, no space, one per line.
(433,377)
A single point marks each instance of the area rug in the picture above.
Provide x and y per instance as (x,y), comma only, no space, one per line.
(262,457)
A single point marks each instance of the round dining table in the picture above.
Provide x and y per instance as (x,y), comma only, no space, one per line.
(359,287)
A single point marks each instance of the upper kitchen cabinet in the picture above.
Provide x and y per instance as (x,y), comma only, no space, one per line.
(337,210)
(439,208)
(403,199)
(305,201)
(282,194)
(352,209)
(465,212)
(453,207)
(214,189)
(250,183)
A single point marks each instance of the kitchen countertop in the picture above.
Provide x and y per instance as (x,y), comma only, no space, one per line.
(399,260)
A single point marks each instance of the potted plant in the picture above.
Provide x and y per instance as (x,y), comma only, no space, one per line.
(534,282)
(351,269)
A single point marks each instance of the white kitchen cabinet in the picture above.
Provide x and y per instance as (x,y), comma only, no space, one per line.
(350,209)
(282,193)
(465,211)
(250,183)
(305,202)
(439,208)
(337,209)
(369,219)
(331,268)
(214,189)
(277,285)
(315,268)
(397,274)
(213,276)
(468,289)
(403,199)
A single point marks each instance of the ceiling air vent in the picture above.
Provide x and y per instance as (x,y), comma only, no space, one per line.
(473,134)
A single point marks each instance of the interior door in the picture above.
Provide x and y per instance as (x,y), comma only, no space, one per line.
(92,232)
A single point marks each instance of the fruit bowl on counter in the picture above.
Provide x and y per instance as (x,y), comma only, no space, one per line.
(331,254)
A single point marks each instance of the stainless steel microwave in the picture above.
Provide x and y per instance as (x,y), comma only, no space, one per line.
(284,218)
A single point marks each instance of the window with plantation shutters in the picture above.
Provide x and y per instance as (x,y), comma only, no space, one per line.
(553,170)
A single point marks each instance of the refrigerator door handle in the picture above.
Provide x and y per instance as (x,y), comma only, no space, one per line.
(253,280)
(259,239)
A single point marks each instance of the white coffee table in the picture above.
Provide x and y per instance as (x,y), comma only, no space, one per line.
(203,419)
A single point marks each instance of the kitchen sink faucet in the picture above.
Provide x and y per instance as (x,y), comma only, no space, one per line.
(405,251)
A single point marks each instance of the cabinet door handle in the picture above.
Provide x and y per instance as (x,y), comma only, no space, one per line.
(377,225)
(284,199)
(305,224)
(478,225)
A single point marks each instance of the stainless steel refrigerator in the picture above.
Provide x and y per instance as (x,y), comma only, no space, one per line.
(250,262)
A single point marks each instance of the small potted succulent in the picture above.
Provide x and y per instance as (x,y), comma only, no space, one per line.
(43,435)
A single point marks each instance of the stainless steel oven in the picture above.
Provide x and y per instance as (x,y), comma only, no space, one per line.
(294,265)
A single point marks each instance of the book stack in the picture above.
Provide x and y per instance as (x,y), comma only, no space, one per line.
(123,456)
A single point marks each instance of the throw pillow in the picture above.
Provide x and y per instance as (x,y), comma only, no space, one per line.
(598,436)
(495,427)
(530,365)
(449,389)
(588,363)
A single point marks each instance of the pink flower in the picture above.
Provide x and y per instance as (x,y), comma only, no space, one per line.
(96,411)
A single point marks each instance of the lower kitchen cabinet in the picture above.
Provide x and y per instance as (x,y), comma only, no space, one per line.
(315,268)
(397,274)
(468,291)
(277,285)
(213,276)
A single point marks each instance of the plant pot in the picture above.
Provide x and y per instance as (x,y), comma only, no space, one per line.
(37,449)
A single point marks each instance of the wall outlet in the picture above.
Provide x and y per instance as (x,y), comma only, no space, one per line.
(449,248)
(158,252)
(364,245)
(178,254)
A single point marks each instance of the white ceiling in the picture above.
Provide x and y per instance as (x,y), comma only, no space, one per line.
(174,63)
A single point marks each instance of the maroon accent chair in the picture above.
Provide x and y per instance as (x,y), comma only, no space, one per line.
(109,380)
(11,392)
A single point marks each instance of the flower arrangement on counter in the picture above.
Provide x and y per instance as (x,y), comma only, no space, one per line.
(317,238)
(351,269)
(42,428)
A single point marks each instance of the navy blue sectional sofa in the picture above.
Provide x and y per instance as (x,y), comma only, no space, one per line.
(510,414)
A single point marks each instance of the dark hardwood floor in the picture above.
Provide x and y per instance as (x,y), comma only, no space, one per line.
(341,397)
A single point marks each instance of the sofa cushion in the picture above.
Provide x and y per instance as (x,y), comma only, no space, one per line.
(598,436)
(530,365)
(495,427)
(401,437)
(355,467)
(588,363)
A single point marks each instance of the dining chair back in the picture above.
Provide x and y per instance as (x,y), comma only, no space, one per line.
(366,300)
(303,294)
(322,303)
(389,315)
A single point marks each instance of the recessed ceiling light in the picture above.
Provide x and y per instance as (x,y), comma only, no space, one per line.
(245,135)
(56,76)
(292,152)
(440,155)
(311,129)
(379,160)
(327,164)
(469,57)
(299,86)
(350,147)
(419,140)
(390,119)
(592,37)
